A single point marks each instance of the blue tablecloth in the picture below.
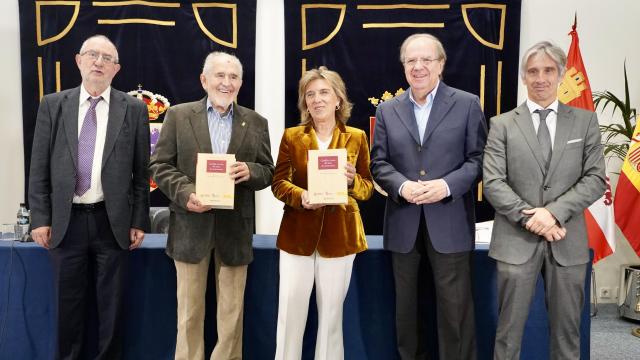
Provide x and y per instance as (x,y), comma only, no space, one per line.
(27,317)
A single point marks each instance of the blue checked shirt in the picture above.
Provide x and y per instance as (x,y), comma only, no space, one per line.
(219,128)
(422,112)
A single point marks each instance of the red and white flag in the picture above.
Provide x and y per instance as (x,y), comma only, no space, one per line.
(575,90)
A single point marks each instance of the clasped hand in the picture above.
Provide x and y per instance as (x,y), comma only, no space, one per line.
(542,222)
(424,192)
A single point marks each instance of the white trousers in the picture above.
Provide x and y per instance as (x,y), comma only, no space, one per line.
(297,275)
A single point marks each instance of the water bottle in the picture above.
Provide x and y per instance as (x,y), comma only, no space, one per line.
(22,225)
(23,215)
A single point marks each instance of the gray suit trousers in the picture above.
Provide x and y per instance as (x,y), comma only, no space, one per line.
(564,296)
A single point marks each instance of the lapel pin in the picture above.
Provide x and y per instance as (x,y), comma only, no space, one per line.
(244,123)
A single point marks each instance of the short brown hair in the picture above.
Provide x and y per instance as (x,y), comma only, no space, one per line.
(333,78)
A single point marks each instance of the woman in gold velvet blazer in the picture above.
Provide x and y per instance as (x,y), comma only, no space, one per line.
(318,243)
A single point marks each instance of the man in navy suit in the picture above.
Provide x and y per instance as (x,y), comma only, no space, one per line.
(427,155)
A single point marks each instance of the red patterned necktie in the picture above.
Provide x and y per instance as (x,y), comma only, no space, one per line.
(86,147)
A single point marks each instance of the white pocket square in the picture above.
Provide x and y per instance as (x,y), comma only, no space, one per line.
(573,141)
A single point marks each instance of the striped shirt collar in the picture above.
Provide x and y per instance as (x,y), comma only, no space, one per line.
(226,115)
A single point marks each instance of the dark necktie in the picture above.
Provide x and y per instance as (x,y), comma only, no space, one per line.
(544,137)
(86,148)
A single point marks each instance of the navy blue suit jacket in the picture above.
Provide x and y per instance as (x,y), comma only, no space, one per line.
(452,149)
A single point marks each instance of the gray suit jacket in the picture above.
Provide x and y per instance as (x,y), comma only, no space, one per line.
(451,149)
(515,179)
(185,133)
(125,175)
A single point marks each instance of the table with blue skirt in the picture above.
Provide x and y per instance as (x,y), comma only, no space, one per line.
(28,321)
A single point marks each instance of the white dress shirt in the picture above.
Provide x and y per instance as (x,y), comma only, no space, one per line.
(323,145)
(94,194)
(551,120)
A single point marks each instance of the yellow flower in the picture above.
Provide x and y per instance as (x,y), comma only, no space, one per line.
(399,91)
(374,101)
(386,96)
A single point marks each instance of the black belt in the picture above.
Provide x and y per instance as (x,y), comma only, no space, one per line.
(88,207)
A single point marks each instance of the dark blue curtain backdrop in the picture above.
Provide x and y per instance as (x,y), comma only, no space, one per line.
(361,40)
(162,45)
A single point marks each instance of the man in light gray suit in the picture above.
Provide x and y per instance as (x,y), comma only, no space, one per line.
(543,165)
(214,124)
(89,195)
(427,155)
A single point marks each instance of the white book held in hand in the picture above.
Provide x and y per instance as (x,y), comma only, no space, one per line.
(214,186)
(326,180)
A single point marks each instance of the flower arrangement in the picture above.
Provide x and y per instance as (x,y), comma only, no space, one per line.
(385,97)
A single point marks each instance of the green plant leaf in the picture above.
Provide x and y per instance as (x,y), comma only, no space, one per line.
(617,136)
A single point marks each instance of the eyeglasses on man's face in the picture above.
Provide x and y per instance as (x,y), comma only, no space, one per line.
(411,62)
(94,56)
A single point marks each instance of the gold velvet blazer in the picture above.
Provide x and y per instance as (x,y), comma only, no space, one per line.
(334,230)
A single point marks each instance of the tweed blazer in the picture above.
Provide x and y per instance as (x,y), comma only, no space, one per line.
(333,230)
(185,133)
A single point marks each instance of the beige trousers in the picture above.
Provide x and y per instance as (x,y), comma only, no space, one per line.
(192,286)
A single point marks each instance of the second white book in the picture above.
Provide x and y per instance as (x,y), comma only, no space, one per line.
(326,180)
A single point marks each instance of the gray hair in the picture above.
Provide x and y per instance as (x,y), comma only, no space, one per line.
(544,47)
(208,62)
(439,48)
(101,37)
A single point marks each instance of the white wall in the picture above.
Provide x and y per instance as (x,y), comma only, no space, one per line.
(11,152)
(608,33)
